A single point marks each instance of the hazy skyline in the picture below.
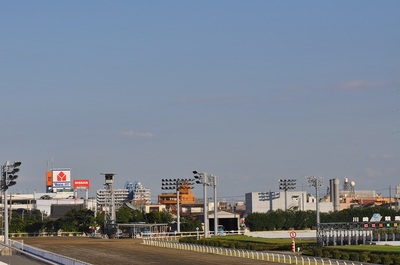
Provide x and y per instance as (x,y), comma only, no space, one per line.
(250,91)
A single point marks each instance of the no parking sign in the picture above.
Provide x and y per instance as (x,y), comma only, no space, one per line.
(293,235)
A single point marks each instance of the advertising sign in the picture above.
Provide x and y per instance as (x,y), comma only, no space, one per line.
(61,185)
(61,175)
(61,179)
(81,184)
(49,179)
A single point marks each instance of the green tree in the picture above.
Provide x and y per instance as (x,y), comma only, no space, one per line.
(190,223)
(77,221)
(159,217)
(128,215)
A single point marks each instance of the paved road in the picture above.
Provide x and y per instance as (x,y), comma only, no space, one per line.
(129,251)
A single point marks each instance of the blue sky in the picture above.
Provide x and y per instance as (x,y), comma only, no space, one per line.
(250,91)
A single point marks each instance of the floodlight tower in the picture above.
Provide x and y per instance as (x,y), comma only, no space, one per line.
(177,185)
(287,184)
(202,178)
(316,181)
(110,224)
(8,178)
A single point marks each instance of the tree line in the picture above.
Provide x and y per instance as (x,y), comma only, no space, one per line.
(299,220)
(23,221)
(85,221)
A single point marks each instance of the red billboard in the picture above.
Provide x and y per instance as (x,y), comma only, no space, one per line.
(81,184)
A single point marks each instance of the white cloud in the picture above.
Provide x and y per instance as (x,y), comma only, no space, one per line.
(362,84)
(136,134)
(374,156)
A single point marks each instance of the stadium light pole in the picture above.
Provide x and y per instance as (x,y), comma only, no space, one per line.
(269,196)
(287,184)
(202,178)
(316,181)
(8,177)
(177,185)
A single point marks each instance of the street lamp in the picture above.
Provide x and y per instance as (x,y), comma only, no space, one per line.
(316,181)
(208,180)
(287,184)
(8,178)
(177,184)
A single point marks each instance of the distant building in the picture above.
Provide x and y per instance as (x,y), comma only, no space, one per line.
(170,199)
(296,200)
(140,194)
(240,207)
(44,202)
(103,198)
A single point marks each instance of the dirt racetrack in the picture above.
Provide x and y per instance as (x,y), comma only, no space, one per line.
(128,251)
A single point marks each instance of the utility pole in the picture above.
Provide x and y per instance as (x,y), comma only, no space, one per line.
(215,185)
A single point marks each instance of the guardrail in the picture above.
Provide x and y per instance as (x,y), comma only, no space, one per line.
(200,234)
(43,234)
(43,255)
(250,254)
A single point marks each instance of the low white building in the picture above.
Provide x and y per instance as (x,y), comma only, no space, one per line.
(44,201)
(262,202)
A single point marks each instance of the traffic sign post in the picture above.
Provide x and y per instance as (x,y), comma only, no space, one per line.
(293,235)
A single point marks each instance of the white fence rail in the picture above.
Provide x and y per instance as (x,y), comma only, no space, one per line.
(50,256)
(250,254)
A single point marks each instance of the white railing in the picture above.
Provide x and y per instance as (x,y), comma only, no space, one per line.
(53,258)
(250,254)
(46,234)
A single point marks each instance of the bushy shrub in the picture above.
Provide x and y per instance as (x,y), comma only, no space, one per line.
(354,256)
(251,246)
(318,252)
(241,245)
(327,254)
(364,257)
(386,260)
(375,258)
(396,260)
(336,254)
(345,255)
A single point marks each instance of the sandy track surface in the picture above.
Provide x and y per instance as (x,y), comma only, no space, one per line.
(128,251)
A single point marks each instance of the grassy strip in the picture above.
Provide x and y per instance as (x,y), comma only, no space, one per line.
(251,243)
(370,248)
